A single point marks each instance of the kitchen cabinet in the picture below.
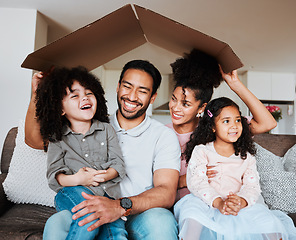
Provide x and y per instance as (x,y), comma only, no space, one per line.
(271,86)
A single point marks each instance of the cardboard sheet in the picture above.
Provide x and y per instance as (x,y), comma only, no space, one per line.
(121,31)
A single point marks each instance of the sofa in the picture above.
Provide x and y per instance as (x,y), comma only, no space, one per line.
(19,221)
(26,221)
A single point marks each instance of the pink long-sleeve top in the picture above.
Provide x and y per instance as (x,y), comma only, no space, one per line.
(234,175)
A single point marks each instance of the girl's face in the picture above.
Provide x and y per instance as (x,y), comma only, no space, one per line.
(184,108)
(228,126)
(80,105)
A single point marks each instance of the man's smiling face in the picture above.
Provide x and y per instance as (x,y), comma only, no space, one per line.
(134,93)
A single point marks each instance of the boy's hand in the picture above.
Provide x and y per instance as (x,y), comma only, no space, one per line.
(101,176)
(88,177)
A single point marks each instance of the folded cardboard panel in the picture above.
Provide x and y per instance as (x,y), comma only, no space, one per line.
(179,38)
(92,45)
(121,31)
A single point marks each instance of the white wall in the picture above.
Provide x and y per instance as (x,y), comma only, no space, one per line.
(110,85)
(18,27)
(163,93)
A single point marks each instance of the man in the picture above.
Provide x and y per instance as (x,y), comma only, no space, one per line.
(152,157)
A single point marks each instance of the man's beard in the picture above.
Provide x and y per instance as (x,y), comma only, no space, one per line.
(133,115)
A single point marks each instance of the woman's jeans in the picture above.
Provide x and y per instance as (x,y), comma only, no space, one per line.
(155,223)
(66,199)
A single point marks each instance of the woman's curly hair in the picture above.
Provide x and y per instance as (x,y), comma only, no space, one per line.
(204,134)
(199,72)
(50,93)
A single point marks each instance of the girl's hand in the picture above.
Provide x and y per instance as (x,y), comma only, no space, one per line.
(234,204)
(220,205)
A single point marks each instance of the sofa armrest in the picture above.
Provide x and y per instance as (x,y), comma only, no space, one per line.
(5,204)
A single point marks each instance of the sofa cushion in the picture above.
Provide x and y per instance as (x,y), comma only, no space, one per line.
(278,186)
(26,180)
(289,162)
(24,221)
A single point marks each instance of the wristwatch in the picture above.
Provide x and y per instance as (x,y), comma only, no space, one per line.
(127,204)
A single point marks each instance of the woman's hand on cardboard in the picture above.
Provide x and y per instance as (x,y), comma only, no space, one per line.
(230,78)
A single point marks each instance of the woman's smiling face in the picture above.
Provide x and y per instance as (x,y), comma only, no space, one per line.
(183,106)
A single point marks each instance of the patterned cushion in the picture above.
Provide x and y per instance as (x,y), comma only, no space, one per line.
(278,185)
(26,181)
(290,160)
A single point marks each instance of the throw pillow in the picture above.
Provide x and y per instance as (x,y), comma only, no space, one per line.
(277,185)
(26,180)
(289,160)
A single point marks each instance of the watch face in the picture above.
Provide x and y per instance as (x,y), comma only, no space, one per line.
(126,203)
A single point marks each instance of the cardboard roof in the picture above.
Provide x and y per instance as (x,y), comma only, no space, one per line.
(121,31)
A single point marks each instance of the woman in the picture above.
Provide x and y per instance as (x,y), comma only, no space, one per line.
(196,75)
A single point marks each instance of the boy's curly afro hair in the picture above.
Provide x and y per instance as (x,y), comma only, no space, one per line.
(199,72)
(50,93)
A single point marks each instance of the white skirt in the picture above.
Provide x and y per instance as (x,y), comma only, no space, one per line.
(252,223)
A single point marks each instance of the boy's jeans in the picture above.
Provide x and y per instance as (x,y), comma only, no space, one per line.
(66,199)
(60,226)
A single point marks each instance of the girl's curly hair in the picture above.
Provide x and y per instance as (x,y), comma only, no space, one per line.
(204,134)
(199,72)
(50,93)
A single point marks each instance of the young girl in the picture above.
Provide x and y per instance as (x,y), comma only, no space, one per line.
(226,203)
(83,151)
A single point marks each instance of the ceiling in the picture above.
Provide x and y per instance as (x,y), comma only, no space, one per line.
(261,32)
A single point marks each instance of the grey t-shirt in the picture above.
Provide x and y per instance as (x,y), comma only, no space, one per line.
(146,148)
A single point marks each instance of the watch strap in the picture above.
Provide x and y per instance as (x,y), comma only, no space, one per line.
(127,212)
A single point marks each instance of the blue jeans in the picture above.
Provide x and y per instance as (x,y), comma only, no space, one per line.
(66,199)
(155,223)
